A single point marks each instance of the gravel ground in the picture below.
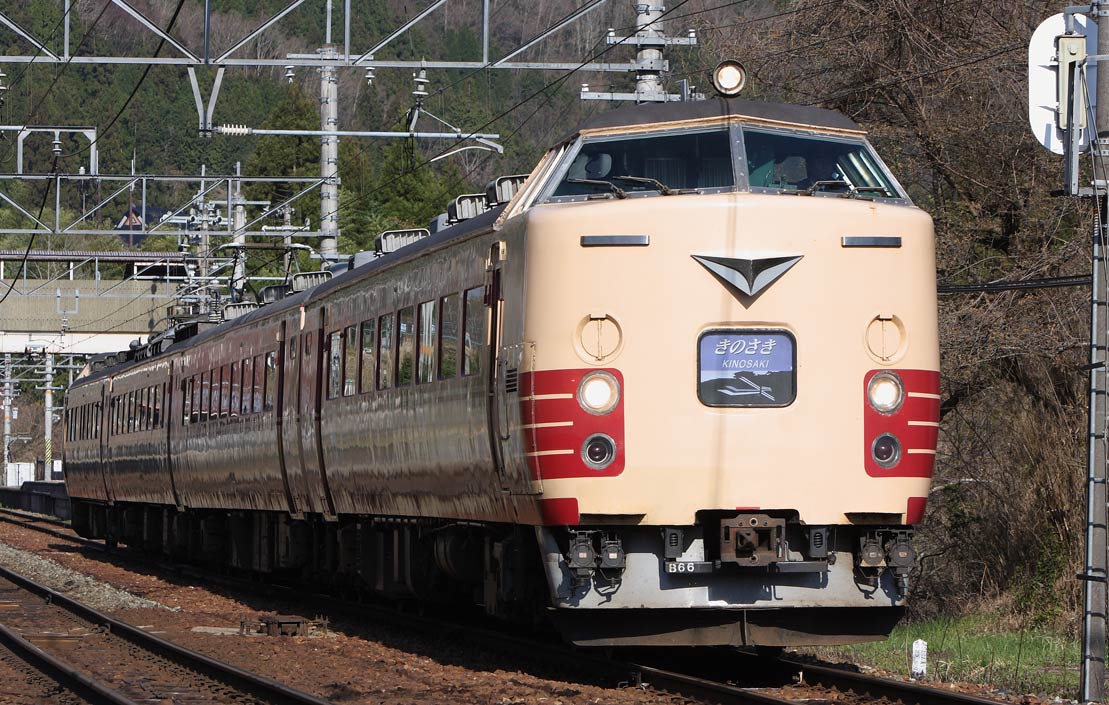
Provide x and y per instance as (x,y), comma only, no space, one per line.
(92,592)
(360,661)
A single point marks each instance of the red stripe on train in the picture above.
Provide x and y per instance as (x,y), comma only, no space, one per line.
(556,426)
(914,425)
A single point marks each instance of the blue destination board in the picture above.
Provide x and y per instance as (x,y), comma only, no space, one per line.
(746,368)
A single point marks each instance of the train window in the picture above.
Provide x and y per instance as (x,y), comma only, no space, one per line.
(159,391)
(225,391)
(817,164)
(473,332)
(385,357)
(406,335)
(648,164)
(259,382)
(335,365)
(131,413)
(213,394)
(186,400)
(194,412)
(270,381)
(205,394)
(248,386)
(366,381)
(293,349)
(236,386)
(148,408)
(308,345)
(99,420)
(143,402)
(350,361)
(448,336)
(425,345)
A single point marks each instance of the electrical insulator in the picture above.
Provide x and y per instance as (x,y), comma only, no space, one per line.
(289,74)
(57,145)
(237,130)
(421,81)
(370,77)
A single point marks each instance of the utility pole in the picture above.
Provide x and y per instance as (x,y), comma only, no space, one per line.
(48,418)
(205,247)
(329,157)
(1096,575)
(7,411)
(649,41)
(238,228)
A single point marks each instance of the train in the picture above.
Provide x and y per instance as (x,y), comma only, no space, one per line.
(678,386)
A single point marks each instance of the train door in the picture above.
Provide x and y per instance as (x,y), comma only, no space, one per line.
(506,361)
(312,382)
(287,414)
(102,453)
(171,417)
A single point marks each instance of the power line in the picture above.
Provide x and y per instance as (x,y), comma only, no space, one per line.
(1016,285)
(31,242)
(541,91)
(135,90)
(61,71)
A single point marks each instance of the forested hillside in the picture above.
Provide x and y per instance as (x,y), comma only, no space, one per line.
(940,84)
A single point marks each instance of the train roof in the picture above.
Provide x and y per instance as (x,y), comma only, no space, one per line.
(457,231)
(650,113)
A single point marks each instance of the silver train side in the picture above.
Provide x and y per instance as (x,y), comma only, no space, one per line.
(527,411)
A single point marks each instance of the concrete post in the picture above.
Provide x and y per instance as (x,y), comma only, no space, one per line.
(329,159)
(1094,622)
(238,226)
(7,410)
(649,58)
(48,418)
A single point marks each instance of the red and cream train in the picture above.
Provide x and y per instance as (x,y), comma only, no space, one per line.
(681,389)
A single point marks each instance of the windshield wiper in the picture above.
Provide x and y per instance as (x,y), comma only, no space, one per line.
(619,192)
(658,185)
(825,185)
(850,192)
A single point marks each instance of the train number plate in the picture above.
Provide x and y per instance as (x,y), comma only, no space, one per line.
(747,368)
(687,567)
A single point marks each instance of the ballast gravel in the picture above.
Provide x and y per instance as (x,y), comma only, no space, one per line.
(92,592)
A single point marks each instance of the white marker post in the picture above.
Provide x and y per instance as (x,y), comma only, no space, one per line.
(919,666)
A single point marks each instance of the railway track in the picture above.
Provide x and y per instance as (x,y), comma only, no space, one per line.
(109,661)
(707,682)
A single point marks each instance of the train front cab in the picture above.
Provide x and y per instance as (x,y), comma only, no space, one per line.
(734,401)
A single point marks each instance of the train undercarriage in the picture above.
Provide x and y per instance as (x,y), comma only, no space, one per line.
(511,571)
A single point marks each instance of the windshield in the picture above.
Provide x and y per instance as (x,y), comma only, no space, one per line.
(657,164)
(815,164)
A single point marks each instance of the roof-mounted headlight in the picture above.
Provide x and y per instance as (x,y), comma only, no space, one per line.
(728,78)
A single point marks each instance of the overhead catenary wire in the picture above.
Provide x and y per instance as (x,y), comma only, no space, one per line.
(134,91)
(61,71)
(541,91)
(31,241)
(1016,284)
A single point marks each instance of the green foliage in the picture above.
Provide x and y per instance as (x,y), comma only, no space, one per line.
(978,648)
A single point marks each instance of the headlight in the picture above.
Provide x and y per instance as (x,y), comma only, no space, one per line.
(728,78)
(598,392)
(598,451)
(885,392)
(886,450)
